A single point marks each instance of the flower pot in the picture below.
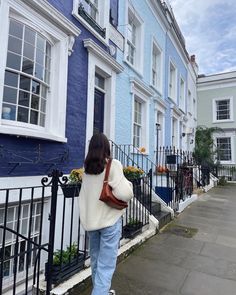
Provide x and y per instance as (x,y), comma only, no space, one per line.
(71,190)
(59,273)
(131,230)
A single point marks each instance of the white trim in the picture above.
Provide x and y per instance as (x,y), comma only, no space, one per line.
(138,84)
(141,93)
(138,62)
(159,86)
(182,107)
(175,81)
(49,12)
(103,55)
(231,114)
(232,136)
(101,62)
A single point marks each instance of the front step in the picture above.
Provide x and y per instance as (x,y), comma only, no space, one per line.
(162,216)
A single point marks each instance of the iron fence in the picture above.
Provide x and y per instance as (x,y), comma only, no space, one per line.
(228,172)
(41,237)
(172,170)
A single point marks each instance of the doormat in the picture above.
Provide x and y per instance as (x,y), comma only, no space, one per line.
(180,230)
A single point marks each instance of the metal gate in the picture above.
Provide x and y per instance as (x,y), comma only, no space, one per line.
(34,242)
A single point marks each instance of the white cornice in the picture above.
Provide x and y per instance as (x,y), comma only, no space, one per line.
(50,13)
(160,102)
(103,55)
(136,83)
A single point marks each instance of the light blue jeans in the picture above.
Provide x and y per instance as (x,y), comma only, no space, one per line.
(104,245)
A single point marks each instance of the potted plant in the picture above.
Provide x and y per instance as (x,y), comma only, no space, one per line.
(72,188)
(133,173)
(65,263)
(132,228)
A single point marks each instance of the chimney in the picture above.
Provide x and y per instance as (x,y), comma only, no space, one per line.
(192,58)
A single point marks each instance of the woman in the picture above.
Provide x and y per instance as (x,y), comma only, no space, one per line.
(103,223)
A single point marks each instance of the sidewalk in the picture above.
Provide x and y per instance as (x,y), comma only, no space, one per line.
(171,264)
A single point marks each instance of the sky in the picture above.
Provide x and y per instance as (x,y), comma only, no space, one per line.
(209,29)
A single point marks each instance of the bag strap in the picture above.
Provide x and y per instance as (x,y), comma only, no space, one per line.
(107,170)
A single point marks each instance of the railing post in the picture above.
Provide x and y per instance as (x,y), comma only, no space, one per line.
(150,191)
(52,218)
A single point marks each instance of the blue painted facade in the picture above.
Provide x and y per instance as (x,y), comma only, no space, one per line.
(172,54)
(124,107)
(153,27)
(21,156)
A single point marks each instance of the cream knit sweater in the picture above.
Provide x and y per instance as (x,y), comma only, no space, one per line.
(95,214)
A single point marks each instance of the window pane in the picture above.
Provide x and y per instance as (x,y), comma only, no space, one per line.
(14,45)
(13,61)
(44,91)
(30,35)
(38,71)
(35,102)
(24,226)
(40,57)
(25,211)
(11,79)
(27,66)
(22,115)
(8,112)
(37,223)
(22,256)
(35,87)
(2,214)
(29,51)
(16,29)
(24,98)
(9,94)
(99,81)
(10,214)
(38,208)
(41,43)
(48,62)
(34,117)
(42,120)
(25,83)
(43,105)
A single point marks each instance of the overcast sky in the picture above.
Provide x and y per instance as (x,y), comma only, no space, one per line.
(209,28)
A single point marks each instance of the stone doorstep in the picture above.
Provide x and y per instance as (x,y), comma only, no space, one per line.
(81,280)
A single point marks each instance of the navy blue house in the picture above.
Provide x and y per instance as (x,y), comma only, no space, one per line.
(57,82)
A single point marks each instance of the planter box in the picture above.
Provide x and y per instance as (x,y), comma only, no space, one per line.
(131,230)
(60,273)
(71,190)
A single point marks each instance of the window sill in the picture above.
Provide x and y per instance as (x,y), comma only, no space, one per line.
(222,121)
(19,131)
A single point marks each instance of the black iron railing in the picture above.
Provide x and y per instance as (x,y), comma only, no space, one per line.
(227,172)
(172,172)
(41,237)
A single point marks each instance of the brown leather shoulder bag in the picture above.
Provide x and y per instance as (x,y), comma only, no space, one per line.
(107,195)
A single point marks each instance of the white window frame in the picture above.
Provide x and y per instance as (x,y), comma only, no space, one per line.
(11,242)
(44,18)
(182,96)
(102,21)
(214,101)
(142,94)
(232,140)
(190,103)
(139,44)
(172,81)
(159,66)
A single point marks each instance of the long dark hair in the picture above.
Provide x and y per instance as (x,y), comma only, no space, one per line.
(98,152)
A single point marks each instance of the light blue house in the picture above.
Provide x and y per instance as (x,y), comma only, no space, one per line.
(151,92)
